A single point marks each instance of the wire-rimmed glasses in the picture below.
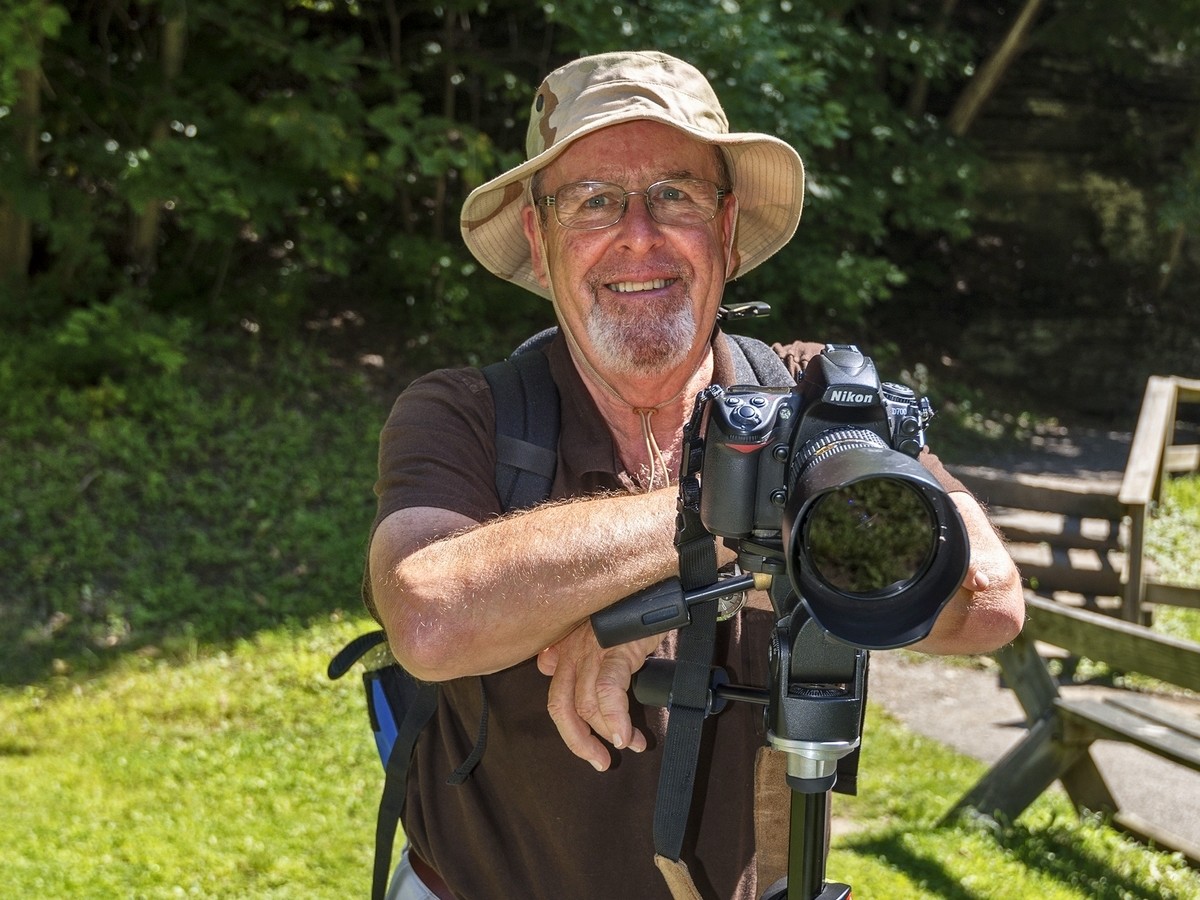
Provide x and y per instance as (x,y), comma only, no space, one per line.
(590,205)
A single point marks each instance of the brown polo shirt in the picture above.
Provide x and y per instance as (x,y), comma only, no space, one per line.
(533,820)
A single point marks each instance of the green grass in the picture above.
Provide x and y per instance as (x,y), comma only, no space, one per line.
(239,773)
(1173,546)
(245,773)
(908,783)
(1172,531)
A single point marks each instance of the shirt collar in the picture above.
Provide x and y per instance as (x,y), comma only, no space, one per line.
(585,444)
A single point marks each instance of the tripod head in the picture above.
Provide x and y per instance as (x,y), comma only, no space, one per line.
(813,707)
(816,706)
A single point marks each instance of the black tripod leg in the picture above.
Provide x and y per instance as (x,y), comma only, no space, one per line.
(808,851)
(806,856)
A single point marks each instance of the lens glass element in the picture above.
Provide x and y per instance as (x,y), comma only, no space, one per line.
(871,537)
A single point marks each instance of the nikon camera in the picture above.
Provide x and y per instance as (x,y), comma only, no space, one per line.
(823,477)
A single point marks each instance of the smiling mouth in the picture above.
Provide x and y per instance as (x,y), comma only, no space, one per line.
(630,287)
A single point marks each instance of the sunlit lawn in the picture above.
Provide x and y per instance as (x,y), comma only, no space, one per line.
(245,773)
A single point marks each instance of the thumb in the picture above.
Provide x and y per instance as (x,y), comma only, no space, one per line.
(976,579)
(547,661)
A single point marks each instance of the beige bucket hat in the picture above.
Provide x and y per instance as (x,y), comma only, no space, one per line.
(598,91)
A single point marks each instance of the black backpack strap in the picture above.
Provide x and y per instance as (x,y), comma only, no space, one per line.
(353,652)
(536,341)
(527,421)
(399,706)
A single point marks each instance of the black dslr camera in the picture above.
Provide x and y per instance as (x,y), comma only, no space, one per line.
(818,485)
(824,477)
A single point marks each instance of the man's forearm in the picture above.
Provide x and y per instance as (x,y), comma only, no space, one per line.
(988,611)
(491,596)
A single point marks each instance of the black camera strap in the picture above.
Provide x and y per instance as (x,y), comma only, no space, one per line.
(681,750)
(689,704)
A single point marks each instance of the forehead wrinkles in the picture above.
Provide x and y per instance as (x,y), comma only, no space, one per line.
(631,177)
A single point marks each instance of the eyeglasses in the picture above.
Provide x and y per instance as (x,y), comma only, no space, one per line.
(589,205)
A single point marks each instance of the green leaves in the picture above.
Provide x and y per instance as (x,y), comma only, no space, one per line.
(310,154)
(220,495)
(24,25)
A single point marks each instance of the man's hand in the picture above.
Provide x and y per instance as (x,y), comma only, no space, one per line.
(589,692)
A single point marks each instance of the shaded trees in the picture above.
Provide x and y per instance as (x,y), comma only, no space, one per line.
(24,27)
(225,160)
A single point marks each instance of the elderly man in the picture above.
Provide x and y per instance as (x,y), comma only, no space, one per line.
(634,208)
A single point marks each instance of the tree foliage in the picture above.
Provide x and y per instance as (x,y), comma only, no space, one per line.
(170,168)
(225,160)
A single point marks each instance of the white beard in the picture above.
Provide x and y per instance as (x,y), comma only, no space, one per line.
(651,343)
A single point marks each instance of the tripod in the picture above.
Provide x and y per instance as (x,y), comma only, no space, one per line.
(818,692)
(814,708)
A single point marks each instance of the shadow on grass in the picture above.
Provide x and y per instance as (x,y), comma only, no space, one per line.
(1056,855)
(74,655)
(1061,856)
(921,869)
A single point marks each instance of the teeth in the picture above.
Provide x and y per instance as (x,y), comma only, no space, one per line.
(628,287)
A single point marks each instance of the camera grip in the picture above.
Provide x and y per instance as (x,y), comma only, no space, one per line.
(650,611)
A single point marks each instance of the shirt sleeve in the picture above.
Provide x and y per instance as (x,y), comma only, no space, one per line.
(437,448)
(948,482)
(796,354)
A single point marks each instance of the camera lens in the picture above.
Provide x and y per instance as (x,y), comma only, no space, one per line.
(869,538)
(874,546)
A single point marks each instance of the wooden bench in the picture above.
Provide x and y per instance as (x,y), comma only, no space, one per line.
(1066,535)
(1082,540)
(1057,746)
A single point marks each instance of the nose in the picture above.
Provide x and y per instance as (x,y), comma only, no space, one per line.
(637,225)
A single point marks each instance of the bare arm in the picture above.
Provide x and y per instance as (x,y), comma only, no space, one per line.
(989,609)
(459,598)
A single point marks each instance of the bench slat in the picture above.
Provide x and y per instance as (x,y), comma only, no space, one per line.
(1154,711)
(1114,722)
(1122,645)
(1047,494)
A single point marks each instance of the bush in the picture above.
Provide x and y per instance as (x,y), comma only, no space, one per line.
(210,498)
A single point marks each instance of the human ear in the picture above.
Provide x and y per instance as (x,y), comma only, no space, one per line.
(537,248)
(729,211)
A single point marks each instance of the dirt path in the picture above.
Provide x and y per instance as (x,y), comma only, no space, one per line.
(1076,452)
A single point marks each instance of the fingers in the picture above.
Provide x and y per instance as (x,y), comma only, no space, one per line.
(588,698)
(572,727)
(547,661)
(611,698)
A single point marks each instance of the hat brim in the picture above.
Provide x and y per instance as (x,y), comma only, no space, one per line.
(768,181)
